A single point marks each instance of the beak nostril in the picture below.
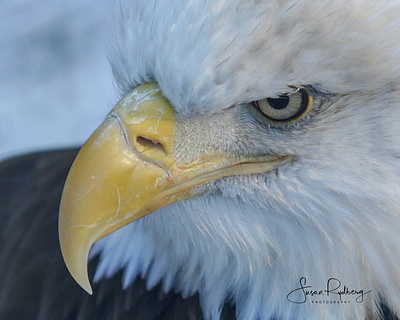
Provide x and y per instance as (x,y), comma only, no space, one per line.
(149,144)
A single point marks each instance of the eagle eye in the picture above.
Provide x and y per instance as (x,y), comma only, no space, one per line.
(286,108)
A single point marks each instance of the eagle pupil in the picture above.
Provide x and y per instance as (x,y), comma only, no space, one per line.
(279,103)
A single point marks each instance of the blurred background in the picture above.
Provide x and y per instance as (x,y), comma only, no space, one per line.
(55,82)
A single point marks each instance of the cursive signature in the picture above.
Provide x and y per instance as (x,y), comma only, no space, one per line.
(333,287)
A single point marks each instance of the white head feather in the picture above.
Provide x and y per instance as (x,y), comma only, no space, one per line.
(334,212)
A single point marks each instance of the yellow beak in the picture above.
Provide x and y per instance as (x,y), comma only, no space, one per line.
(127,169)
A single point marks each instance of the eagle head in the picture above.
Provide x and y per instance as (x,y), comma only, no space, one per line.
(253,158)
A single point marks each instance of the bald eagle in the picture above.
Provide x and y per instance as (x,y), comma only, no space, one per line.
(250,170)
